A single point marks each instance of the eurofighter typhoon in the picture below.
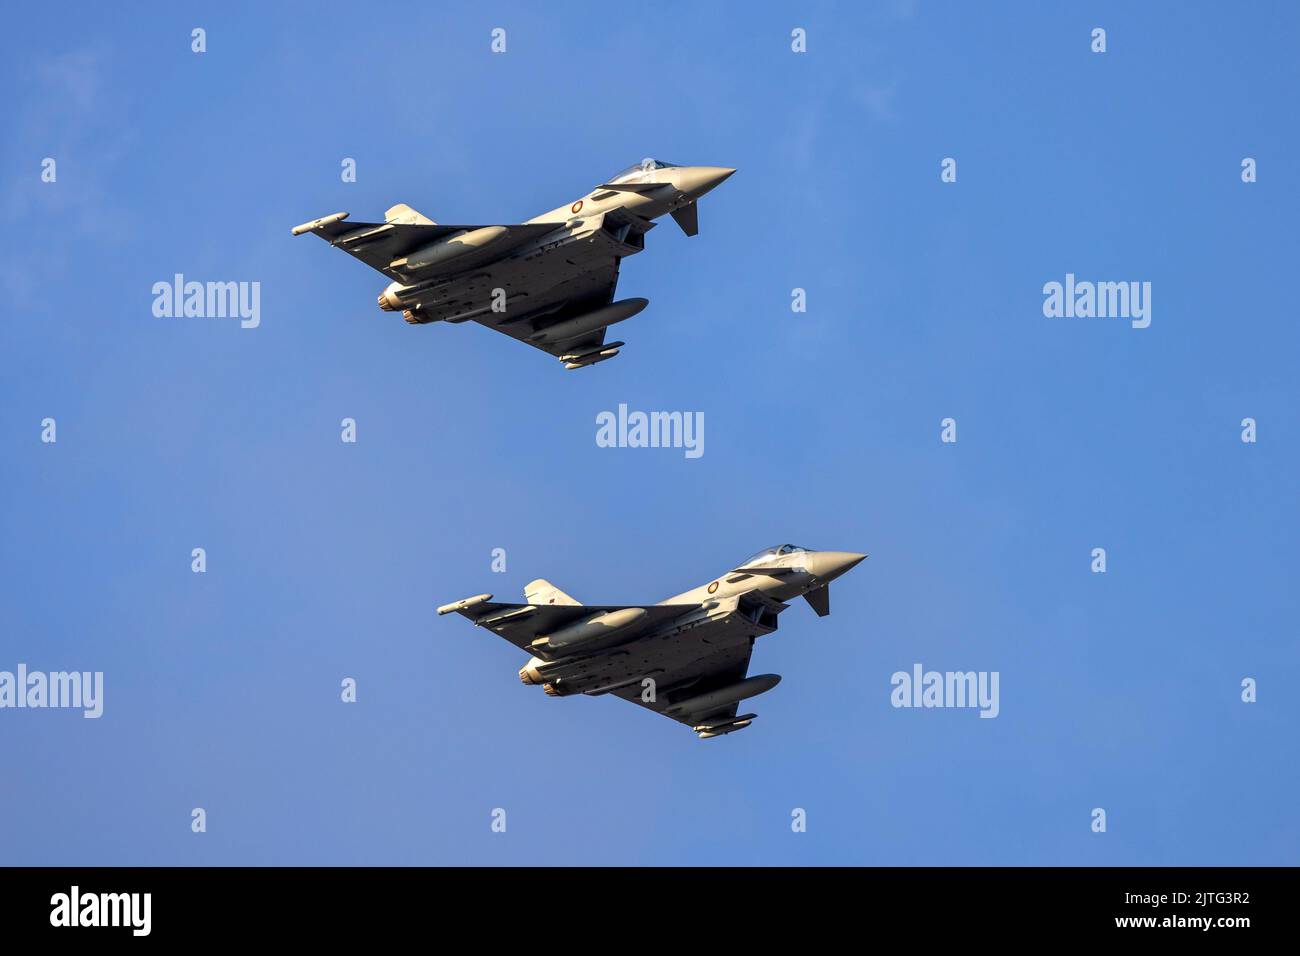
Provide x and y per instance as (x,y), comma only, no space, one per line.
(686,658)
(548,282)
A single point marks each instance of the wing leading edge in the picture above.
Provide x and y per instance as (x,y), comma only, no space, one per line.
(391,247)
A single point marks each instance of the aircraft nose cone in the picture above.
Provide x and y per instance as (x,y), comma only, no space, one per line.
(700,179)
(831,564)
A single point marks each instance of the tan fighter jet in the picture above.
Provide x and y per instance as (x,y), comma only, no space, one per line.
(686,658)
(548,282)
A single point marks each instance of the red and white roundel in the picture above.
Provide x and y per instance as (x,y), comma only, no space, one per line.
(713,587)
(576,207)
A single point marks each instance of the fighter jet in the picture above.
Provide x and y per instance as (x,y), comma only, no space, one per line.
(548,282)
(686,658)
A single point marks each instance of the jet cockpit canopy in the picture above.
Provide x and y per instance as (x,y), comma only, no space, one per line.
(633,173)
(768,554)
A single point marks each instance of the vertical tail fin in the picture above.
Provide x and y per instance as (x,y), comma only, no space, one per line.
(543,592)
(404,214)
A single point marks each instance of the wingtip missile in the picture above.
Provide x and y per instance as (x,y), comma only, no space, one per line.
(318,223)
(465,603)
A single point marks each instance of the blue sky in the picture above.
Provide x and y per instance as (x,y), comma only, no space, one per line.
(326,560)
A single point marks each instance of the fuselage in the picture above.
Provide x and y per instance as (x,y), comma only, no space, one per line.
(796,571)
(664,188)
(613,648)
(458,277)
